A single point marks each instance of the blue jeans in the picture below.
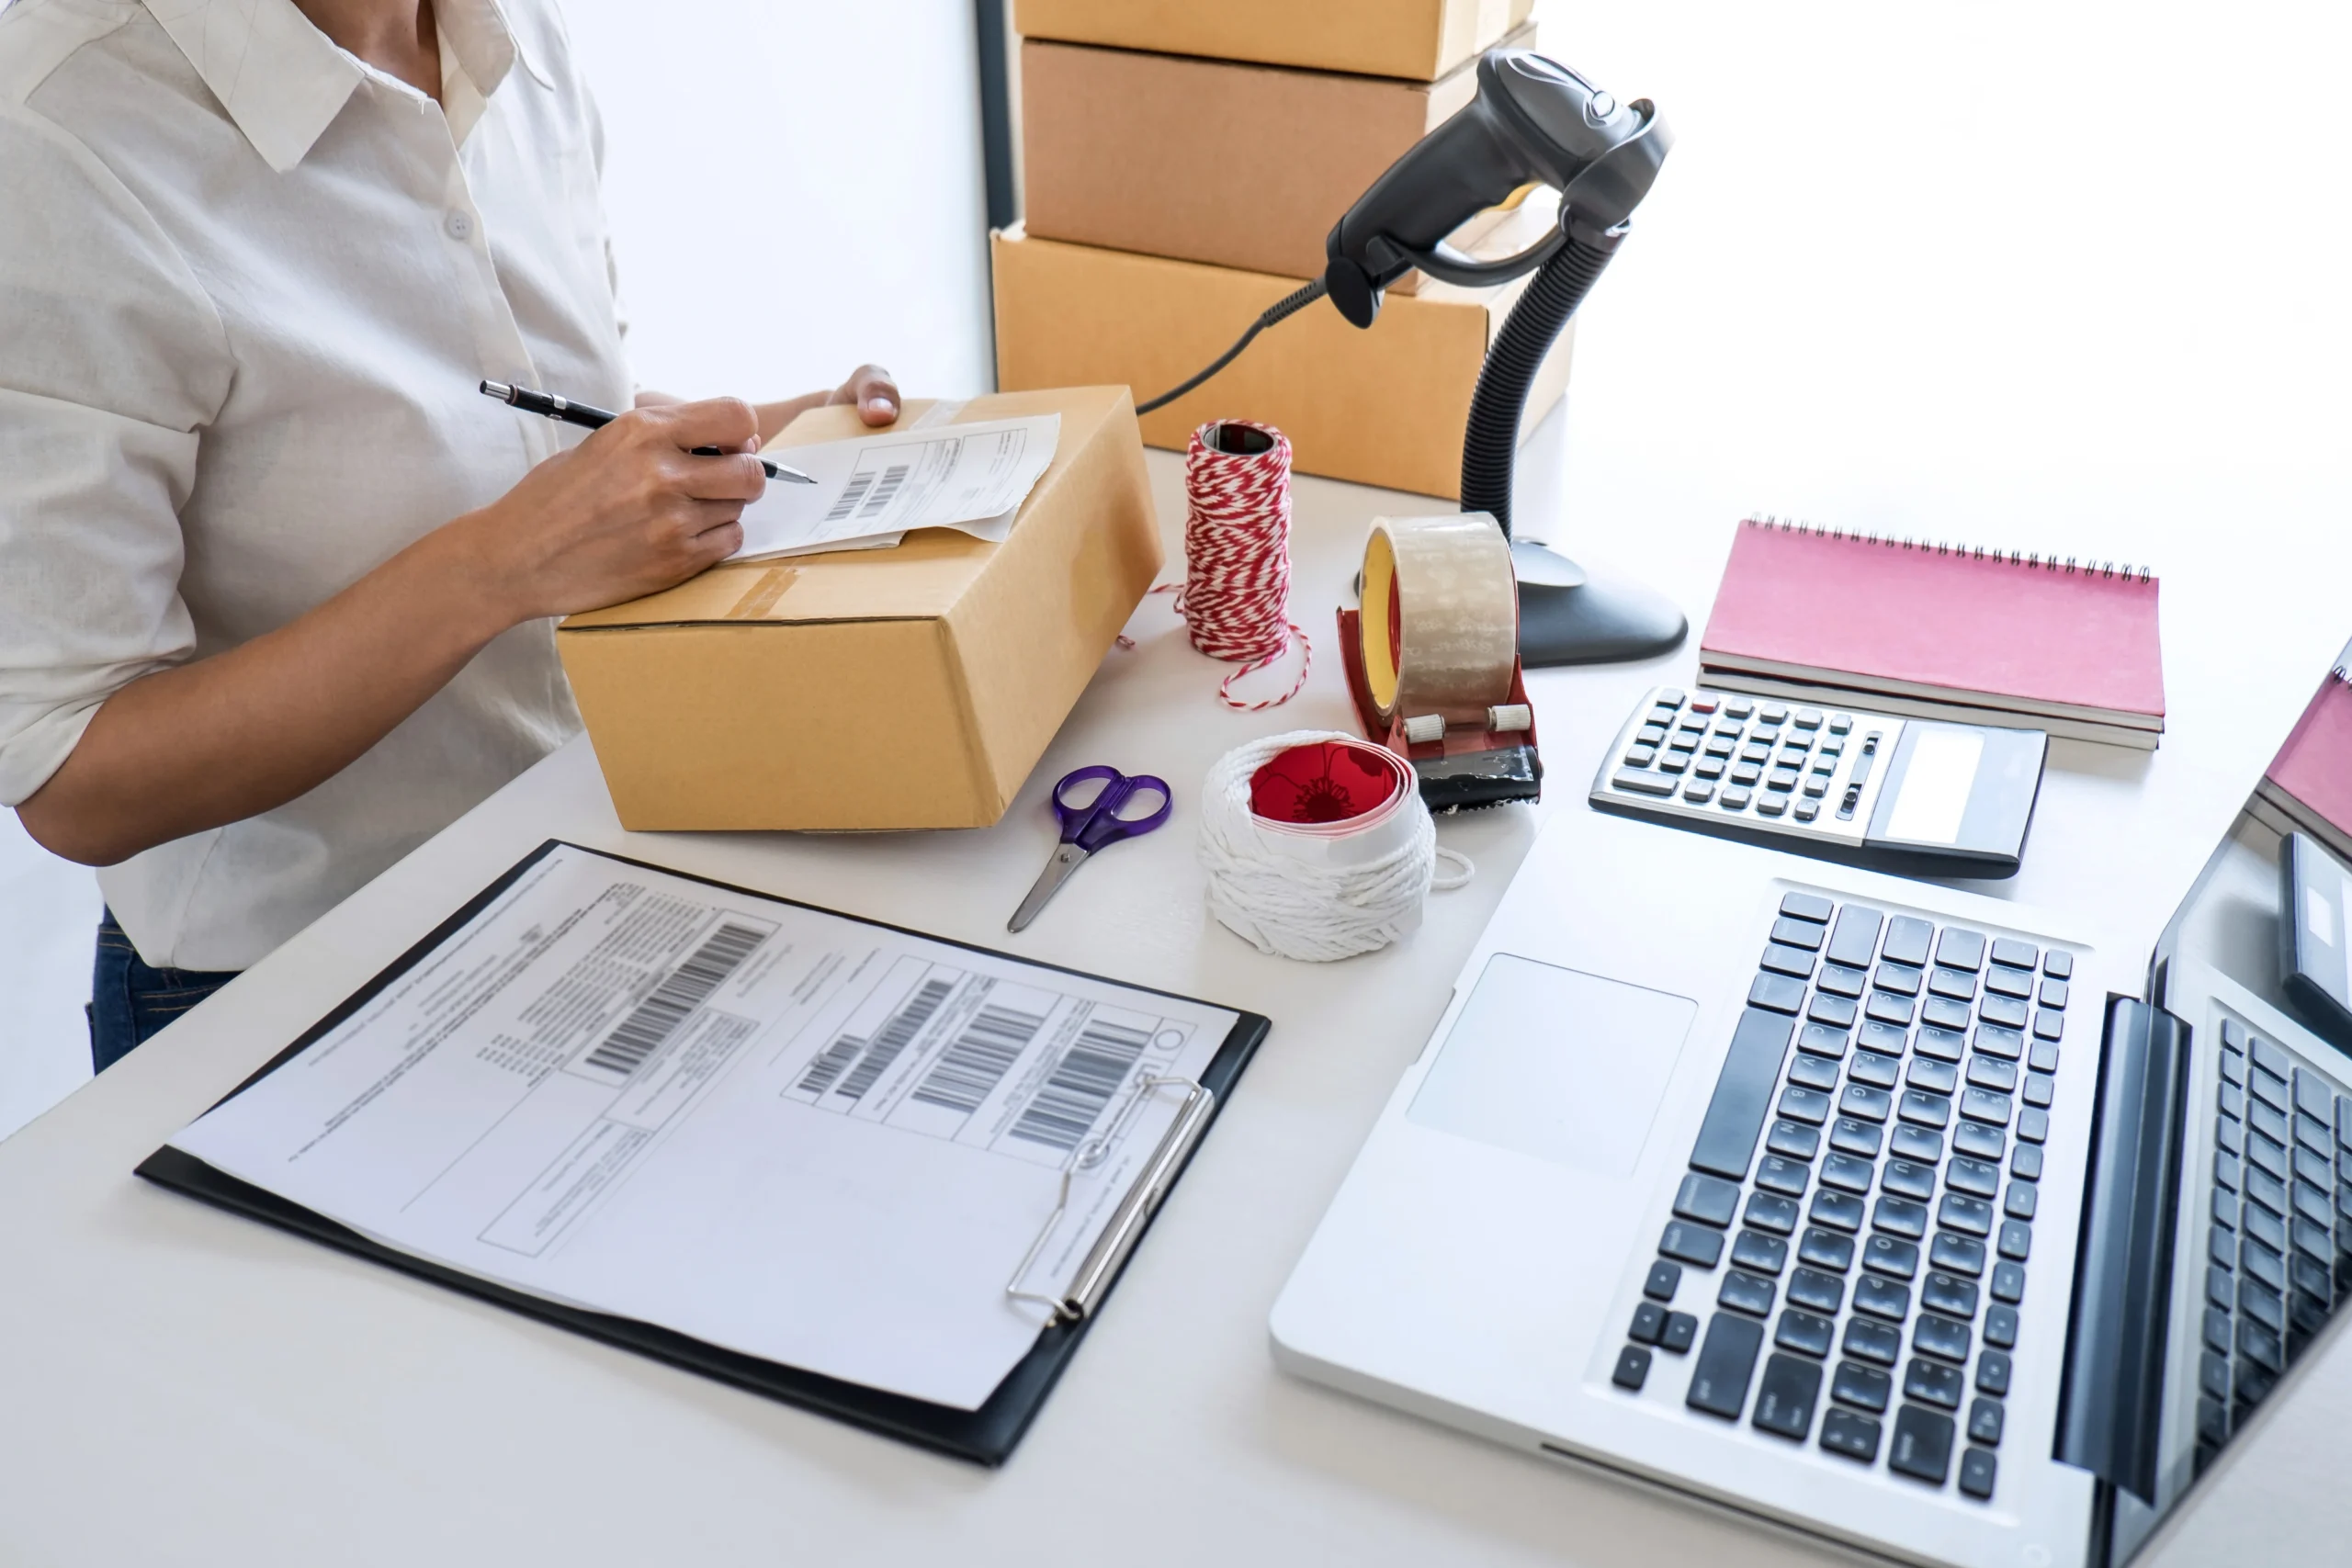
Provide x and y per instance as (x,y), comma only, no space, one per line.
(129,999)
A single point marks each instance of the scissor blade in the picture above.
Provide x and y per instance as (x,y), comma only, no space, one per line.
(1049,881)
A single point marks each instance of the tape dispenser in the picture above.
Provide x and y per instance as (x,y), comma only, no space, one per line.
(1432,660)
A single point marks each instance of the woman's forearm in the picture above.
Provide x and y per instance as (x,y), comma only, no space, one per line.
(246,730)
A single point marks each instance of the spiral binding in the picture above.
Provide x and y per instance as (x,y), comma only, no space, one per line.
(2028,560)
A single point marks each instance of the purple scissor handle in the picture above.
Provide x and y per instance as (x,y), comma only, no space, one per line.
(1105,817)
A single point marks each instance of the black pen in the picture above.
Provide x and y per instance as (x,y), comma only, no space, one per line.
(589,418)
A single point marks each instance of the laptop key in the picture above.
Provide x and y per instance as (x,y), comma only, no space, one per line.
(1835,1011)
(1931,1382)
(1727,1359)
(1806,1333)
(1853,941)
(1743,1090)
(1804,1105)
(1861,1099)
(1944,1013)
(1793,1139)
(1781,993)
(1785,1397)
(1920,1146)
(1942,1338)
(1771,1212)
(1820,1040)
(2016,1239)
(1874,1297)
(1957,984)
(1664,1278)
(1991,1072)
(1949,1294)
(1632,1367)
(1977,1139)
(1849,1136)
(1865,1388)
(2016,953)
(1843,1211)
(1932,1077)
(1903,979)
(1707,1201)
(2009,1283)
(1908,1180)
(1648,1319)
(1885,1255)
(1961,1212)
(1680,1331)
(1957,1254)
(1695,1245)
(1977,1177)
(1878,1071)
(2001,1327)
(1993,1372)
(1961,949)
(1923,1110)
(1856,1437)
(1782,959)
(1942,1045)
(1900,1216)
(1985,1421)
(1775,1174)
(1807,907)
(1814,1071)
(1878,1342)
(1888,1007)
(1982,1105)
(1977,1469)
(1907,939)
(1817,1291)
(2002,981)
(1922,1446)
(1795,931)
(1755,1250)
(1992,1039)
(1746,1292)
(2021,1200)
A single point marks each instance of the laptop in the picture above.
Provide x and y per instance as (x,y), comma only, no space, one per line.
(1884,1211)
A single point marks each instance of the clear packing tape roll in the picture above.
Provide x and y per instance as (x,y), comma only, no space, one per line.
(1440,627)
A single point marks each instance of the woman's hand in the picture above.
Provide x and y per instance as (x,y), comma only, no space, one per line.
(628,511)
(871,388)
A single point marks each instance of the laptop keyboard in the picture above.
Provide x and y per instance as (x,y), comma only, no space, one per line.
(2279,1247)
(1851,1246)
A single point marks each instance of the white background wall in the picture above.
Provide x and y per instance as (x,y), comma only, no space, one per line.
(794,187)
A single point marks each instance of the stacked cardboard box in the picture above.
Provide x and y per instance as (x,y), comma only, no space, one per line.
(1184,161)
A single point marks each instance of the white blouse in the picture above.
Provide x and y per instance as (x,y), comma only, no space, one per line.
(248,285)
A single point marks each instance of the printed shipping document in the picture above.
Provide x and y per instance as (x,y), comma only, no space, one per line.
(776,1129)
(871,490)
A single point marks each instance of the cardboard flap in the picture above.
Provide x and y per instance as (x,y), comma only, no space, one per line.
(922,578)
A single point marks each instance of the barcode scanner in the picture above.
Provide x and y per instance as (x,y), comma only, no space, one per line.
(1535,121)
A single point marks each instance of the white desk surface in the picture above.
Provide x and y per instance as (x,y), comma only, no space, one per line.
(1928,273)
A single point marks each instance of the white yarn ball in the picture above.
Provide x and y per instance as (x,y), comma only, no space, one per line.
(1286,906)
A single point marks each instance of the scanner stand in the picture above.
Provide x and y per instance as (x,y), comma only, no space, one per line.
(1569,615)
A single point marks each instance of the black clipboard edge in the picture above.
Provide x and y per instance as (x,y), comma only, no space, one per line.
(986,1436)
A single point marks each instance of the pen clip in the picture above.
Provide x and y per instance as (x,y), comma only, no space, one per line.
(1095,1272)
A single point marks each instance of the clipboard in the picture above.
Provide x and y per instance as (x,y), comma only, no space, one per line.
(985,1436)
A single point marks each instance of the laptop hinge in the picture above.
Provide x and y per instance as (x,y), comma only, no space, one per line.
(2111,1404)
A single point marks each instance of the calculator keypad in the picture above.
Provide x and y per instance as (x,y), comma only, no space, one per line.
(1768,763)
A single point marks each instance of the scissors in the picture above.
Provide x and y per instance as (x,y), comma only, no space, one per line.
(1089,822)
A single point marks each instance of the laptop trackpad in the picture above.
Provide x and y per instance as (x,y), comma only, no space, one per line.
(1555,1063)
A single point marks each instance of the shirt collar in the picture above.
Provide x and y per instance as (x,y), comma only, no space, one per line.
(283,81)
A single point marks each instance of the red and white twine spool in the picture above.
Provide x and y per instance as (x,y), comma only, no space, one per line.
(1235,601)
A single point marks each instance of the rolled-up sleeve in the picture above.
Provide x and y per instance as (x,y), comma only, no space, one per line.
(112,362)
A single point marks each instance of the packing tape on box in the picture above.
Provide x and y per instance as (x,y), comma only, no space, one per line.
(1440,629)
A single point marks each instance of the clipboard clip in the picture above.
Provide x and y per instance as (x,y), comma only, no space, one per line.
(1102,1262)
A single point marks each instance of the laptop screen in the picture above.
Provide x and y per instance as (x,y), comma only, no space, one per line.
(2246,1056)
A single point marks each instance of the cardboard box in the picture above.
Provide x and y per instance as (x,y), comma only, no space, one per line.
(913,687)
(1382,406)
(1418,40)
(1209,159)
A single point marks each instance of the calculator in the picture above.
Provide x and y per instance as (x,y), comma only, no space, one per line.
(1922,797)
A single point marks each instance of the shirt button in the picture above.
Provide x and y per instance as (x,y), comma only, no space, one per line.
(460,226)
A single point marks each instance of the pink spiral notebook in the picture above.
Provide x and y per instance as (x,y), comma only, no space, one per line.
(2308,784)
(1939,631)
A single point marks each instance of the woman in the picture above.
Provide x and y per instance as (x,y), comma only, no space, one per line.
(277,584)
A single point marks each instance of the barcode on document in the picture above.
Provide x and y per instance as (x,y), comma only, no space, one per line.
(687,986)
(892,478)
(1082,1083)
(851,495)
(971,1067)
(894,1038)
